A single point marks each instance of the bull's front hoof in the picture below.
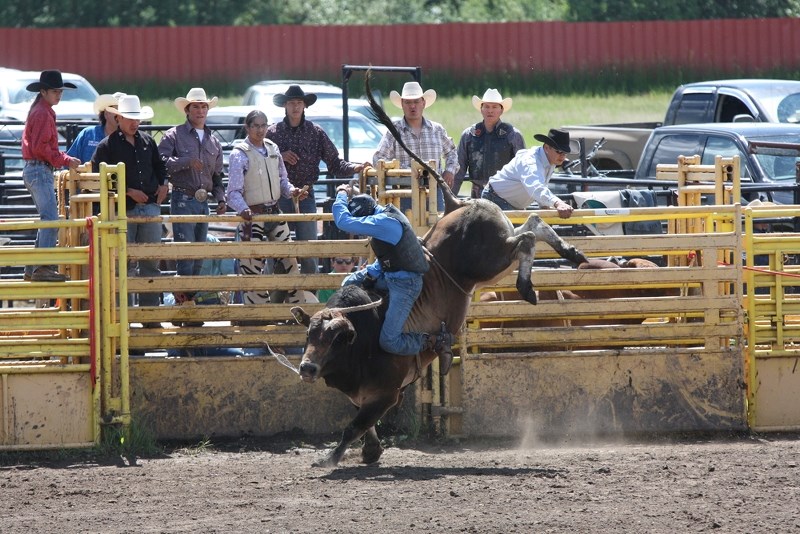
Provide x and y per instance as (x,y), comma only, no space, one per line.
(370,455)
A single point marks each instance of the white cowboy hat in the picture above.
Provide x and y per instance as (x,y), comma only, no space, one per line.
(412,91)
(130,108)
(491,96)
(195,94)
(105,100)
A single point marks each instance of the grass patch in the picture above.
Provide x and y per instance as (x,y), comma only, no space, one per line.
(135,440)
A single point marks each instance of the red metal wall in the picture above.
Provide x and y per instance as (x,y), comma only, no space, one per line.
(186,54)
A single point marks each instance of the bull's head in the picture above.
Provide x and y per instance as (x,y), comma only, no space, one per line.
(329,331)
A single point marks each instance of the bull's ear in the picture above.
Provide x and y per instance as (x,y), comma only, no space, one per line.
(301,316)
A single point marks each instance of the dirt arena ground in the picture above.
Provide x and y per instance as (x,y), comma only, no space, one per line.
(720,484)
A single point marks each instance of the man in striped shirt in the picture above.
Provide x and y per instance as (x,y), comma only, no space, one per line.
(427,139)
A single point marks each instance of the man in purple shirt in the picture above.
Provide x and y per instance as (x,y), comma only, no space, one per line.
(194,162)
(303,145)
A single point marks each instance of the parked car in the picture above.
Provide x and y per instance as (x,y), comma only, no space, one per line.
(15,100)
(364,133)
(329,97)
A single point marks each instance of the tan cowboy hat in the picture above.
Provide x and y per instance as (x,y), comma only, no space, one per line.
(130,108)
(105,100)
(412,91)
(195,94)
(492,96)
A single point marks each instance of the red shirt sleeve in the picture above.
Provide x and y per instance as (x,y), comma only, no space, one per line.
(40,137)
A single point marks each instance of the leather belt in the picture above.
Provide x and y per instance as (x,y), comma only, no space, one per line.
(261,209)
(200,195)
(39,162)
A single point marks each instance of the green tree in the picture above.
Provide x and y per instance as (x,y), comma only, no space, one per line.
(619,10)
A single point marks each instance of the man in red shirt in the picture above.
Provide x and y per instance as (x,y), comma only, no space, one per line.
(42,156)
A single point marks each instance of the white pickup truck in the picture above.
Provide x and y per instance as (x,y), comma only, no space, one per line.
(745,100)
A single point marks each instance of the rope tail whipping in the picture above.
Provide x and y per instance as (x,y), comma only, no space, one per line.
(451,202)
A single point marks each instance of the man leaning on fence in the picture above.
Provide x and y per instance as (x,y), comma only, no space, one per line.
(146,183)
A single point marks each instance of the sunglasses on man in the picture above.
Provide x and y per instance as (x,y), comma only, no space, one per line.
(340,261)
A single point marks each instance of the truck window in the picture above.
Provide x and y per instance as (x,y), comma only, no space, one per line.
(725,147)
(672,146)
(694,108)
(729,107)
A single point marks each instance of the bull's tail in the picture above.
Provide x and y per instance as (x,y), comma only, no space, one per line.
(451,201)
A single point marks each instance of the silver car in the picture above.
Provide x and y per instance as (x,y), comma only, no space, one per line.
(15,99)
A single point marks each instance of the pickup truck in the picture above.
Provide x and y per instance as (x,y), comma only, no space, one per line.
(768,154)
(720,101)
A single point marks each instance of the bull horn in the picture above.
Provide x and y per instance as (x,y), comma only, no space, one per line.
(353,309)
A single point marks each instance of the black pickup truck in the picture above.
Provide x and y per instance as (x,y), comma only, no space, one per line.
(718,101)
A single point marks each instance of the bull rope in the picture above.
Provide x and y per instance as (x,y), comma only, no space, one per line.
(436,262)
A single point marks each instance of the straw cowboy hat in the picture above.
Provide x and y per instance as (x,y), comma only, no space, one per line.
(412,91)
(102,102)
(558,139)
(50,79)
(294,92)
(491,96)
(130,108)
(195,94)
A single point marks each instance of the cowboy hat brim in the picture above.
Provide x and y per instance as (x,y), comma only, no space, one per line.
(37,86)
(477,102)
(146,113)
(181,102)
(281,99)
(429,96)
(549,141)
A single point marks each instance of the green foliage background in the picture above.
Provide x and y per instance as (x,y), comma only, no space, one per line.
(91,13)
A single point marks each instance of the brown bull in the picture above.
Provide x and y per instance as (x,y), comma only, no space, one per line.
(474,243)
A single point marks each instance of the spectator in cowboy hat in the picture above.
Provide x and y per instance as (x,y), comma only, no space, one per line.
(194,162)
(87,140)
(146,182)
(488,145)
(428,139)
(257,179)
(303,145)
(41,154)
(524,179)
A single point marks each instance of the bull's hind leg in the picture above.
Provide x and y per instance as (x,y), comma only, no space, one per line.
(527,234)
(545,232)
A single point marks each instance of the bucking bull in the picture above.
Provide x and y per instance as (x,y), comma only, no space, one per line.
(473,244)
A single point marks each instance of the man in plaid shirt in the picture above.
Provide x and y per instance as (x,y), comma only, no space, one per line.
(427,139)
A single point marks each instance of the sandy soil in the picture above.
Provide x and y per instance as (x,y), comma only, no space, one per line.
(723,484)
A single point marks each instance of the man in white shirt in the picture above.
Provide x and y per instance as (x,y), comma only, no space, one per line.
(524,179)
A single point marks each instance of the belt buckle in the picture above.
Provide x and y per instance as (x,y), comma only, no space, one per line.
(201,195)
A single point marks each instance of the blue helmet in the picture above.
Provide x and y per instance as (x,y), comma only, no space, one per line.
(361,205)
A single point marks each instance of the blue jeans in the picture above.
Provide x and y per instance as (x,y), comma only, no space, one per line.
(39,181)
(183,204)
(149,232)
(304,231)
(403,288)
(489,194)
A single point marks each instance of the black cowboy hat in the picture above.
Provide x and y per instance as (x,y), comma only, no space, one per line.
(558,139)
(294,92)
(50,79)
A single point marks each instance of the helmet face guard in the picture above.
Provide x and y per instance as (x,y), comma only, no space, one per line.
(361,205)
